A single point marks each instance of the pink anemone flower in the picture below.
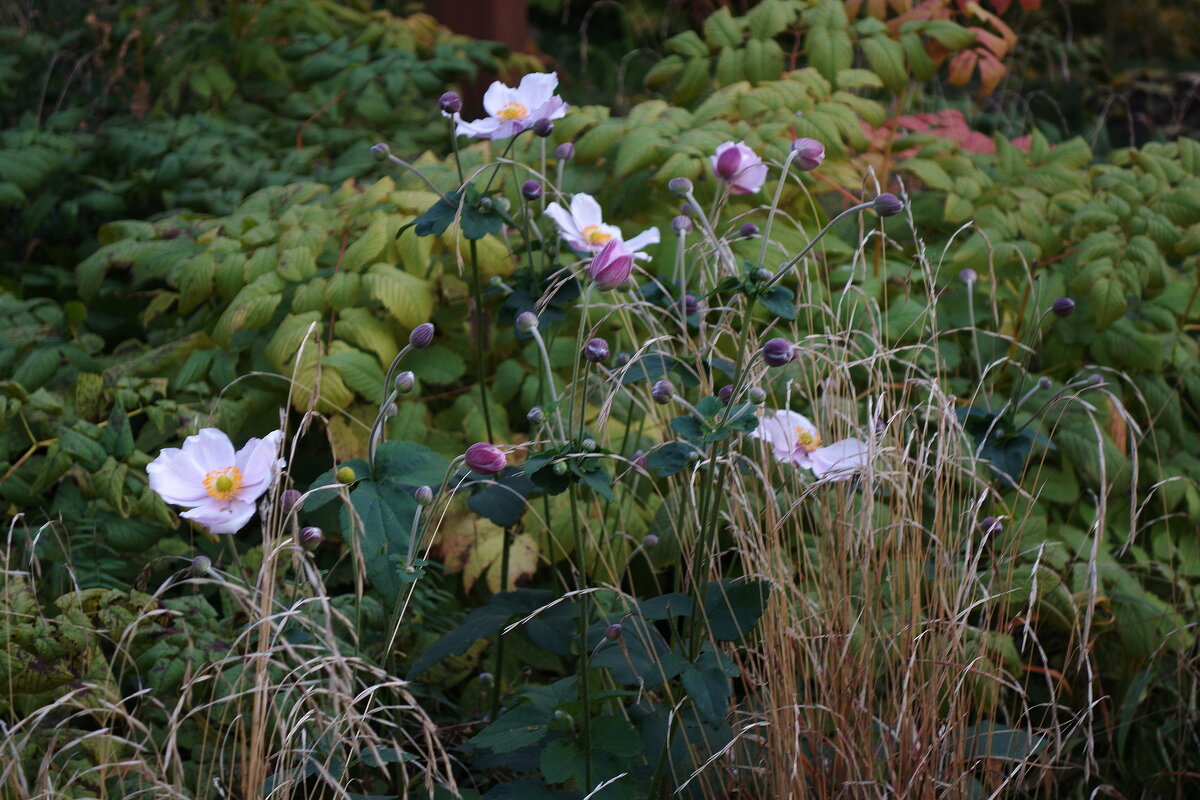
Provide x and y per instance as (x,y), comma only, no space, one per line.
(794,439)
(511,111)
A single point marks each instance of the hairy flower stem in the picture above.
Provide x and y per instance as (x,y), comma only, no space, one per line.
(480,364)
(820,235)
(402,603)
(766,234)
(399,162)
(454,144)
(498,666)
(584,614)
(723,251)
(548,381)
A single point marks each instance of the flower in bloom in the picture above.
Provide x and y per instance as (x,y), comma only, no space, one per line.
(511,111)
(794,439)
(582,227)
(611,266)
(738,166)
(486,459)
(218,486)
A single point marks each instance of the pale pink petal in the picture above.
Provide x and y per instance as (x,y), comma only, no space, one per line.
(497,97)
(259,462)
(779,431)
(554,108)
(535,89)
(638,243)
(840,460)
(210,449)
(721,148)
(566,224)
(750,179)
(221,517)
(480,128)
(586,211)
(177,478)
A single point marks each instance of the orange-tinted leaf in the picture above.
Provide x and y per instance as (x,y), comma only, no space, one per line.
(991,72)
(962,66)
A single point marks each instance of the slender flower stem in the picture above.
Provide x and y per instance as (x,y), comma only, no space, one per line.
(820,235)
(481,366)
(766,234)
(722,250)
(402,163)
(584,614)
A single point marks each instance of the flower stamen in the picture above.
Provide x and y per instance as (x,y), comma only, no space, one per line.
(223,484)
(807,440)
(512,111)
(595,236)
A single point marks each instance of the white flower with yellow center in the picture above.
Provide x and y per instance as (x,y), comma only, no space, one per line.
(583,228)
(511,111)
(218,486)
(794,439)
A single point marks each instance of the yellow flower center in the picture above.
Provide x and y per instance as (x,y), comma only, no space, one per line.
(222,484)
(595,236)
(807,440)
(512,111)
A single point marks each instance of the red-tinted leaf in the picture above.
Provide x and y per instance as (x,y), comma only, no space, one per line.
(962,66)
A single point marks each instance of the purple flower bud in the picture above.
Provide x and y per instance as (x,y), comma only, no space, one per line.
(611,266)
(201,565)
(762,274)
(725,393)
(421,336)
(991,525)
(565,151)
(809,153)
(650,540)
(690,304)
(289,499)
(450,103)
(1063,307)
(1096,380)
(778,352)
(423,495)
(623,358)
(680,187)
(543,127)
(728,164)
(681,224)
(536,415)
(613,632)
(486,678)
(596,351)
(310,537)
(687,209)
(381,151)
(968,276)
(888,205)
(486,459)
(757,395)
(531,190)
(405,382)
(748,230)
(1044,382)
(639,460)
(526,321)
(662,392)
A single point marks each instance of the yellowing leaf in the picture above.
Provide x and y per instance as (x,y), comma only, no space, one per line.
(409,299)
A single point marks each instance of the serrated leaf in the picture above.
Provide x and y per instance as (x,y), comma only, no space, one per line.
(359,371)
(1108,302)
(367,247)
(407,298)
(722,30)
(886,57)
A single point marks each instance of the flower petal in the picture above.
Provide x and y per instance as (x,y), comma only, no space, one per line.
(639,242)
(210,448)
(480,128)
(566,225)
(177,478)
(259,462)
(779,431)
(840,460)
(554,108)
(586,211)
(535,89)
(221,517)
(497,96)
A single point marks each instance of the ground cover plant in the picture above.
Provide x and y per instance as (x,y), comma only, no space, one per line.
(776,437)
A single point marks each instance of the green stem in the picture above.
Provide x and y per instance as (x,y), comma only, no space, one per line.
(584,614)
(481,366)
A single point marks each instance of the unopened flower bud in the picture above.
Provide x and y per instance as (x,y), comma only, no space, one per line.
(1096,380)
(748,230)
(757,395)
(762,274)
(662,392)
(527,321)
(421,336)
(486,678)
(1044,382)
(888,205)
(778,352)
(405,382)
(485,458)
(1063,307)
(565,151)
(201,565)
(968,276)
(423,495)
(596,351)
(623,358)
(450,103)
(991,525)
(588,445)
(310,537)
(809,153)
(536,415)
(680,187)
(681,224)
(725,393)
(690,304)
(559,468)
(531,190)
(288,499)
(688,210)
(346,475)
(639,460)
(381,151)
(613,632)
(650,540)
(543,127)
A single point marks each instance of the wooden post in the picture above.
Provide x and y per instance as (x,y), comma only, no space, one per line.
(505,21)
